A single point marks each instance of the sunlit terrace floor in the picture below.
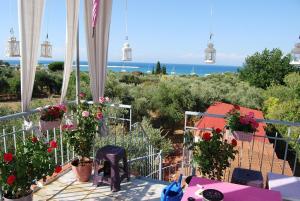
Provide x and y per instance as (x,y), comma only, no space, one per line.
(67,188)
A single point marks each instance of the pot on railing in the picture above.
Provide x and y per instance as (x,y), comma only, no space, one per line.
(48,125)
(243,136)
(28,197)
(82,169)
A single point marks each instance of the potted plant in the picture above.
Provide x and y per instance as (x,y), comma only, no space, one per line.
(81,137)
(212,155)
(242,126)
(32,161)
(51,117)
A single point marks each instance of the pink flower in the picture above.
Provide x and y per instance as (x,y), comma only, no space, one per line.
(254,124)
(85,114)
(82,95)
(251,114)
(99,115)
(107,99)
(62,107)
(102,100)
(68,127)
(243,120)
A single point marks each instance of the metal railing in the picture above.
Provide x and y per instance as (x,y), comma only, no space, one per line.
(143,158)
(268,153)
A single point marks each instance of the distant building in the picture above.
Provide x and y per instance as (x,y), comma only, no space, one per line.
(223,108)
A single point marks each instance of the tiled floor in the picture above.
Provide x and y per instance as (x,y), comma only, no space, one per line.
(67,188)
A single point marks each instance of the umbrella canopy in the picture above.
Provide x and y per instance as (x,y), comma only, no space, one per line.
(95,14)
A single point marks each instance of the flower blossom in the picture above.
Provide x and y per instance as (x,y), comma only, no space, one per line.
(68,127)
(234,142)
(34,139)
(99,115)
(58,169)
(82,95)
(218,130)
(62,107)
(206,137)
(102,100)
(85,114)
(11,179)
(53,144)
(8,157)
(107,99)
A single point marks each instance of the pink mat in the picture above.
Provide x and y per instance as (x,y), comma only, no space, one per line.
(232,192)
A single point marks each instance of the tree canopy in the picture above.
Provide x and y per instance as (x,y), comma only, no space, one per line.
(266,68)
(56,66)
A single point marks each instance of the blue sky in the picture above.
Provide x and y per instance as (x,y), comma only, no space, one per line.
(176,31)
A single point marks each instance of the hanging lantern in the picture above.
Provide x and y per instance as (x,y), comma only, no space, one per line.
(127,52)
(126,49)
(13,46)
(46,49)
(210,54)
(295,59)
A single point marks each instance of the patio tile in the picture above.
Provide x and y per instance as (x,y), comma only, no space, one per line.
(67,188)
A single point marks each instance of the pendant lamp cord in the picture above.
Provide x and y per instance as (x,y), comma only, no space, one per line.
(11,31)
(126,18)
(211,21)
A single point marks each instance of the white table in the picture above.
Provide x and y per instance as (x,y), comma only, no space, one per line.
(288,186)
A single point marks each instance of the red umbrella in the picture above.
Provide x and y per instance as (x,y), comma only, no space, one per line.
(95,14)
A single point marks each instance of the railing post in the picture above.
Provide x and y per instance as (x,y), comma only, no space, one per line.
(160,165)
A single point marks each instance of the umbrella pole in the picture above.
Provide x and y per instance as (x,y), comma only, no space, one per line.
(77,67)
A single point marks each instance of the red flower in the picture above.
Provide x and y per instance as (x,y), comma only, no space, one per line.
(218,130)
(53,144)
(34,139)
(49,150)
(206,136)
(234,142)
(99,115)
(237,107)
(58,169)
(8,157)
(11,179)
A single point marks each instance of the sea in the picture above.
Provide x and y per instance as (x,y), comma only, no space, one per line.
(177,69)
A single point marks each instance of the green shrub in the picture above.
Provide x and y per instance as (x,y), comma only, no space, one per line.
(56,66)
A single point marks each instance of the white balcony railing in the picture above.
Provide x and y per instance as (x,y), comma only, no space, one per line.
(273,152)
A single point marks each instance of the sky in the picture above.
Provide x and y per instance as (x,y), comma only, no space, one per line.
(176,31)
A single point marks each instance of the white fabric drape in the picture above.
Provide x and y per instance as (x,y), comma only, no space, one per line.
(97,45)
(30,20)
(71,35)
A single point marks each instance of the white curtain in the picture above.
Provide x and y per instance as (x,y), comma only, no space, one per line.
(97,45)
(71,35)
(30,20)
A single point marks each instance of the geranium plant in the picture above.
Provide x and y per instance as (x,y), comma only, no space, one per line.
(31,162)
(212,155)
(238,122)
(53,113)
(89,120)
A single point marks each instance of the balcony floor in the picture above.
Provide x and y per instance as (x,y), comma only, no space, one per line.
(67,188)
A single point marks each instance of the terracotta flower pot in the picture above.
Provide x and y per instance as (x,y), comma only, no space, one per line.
(48,125)
(243,136)
(82,170)
(26,198)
